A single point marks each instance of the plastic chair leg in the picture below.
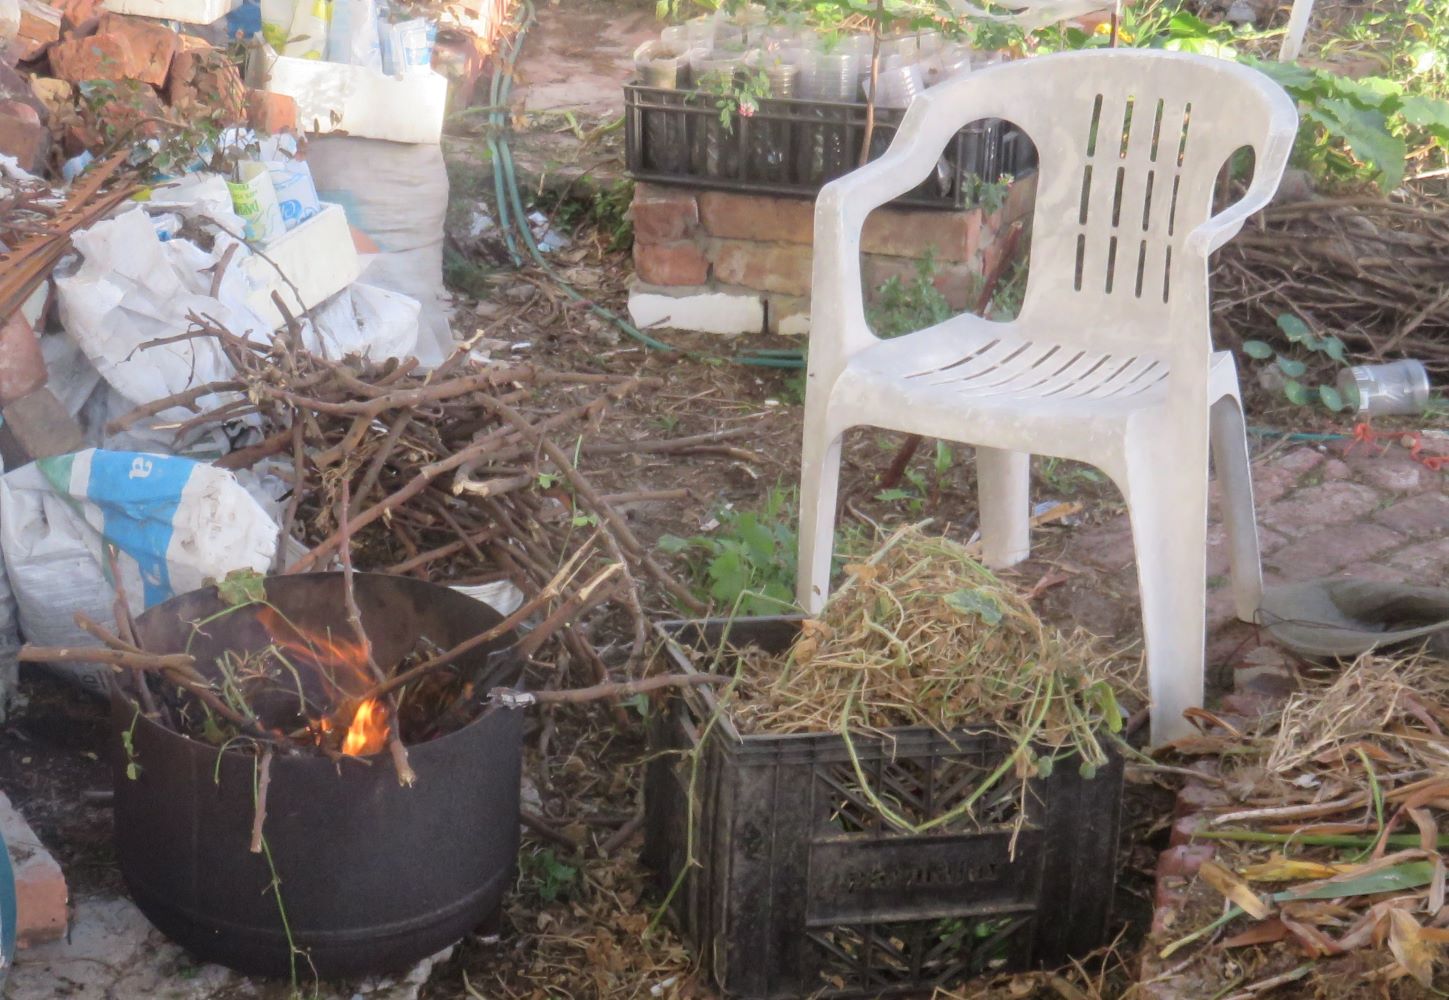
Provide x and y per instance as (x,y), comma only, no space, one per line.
(1230,458)
(819,481)
(1003,481)
(1169,535)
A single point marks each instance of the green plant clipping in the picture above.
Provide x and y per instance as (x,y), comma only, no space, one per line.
(978,603)
(1295,371)
(748,562)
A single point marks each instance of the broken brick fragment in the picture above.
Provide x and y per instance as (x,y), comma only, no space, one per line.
(205,83)
(23,136)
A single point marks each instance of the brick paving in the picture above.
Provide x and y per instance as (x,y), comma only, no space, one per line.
(1321,512)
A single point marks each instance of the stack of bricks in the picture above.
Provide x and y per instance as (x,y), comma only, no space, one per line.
(727,263)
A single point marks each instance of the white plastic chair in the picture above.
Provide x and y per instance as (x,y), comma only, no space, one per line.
(1110,360)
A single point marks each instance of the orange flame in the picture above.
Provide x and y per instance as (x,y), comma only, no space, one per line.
(330,654)
(368,732)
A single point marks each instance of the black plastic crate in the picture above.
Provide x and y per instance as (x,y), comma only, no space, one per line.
(803,889)
(793,147)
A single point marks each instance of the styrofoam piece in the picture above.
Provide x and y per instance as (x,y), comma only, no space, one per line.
(702,312)
(318,258)
(333,97)
(186,11)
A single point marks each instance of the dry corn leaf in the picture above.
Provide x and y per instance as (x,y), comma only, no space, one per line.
(1415,954)
(1281,869)
(1234,889)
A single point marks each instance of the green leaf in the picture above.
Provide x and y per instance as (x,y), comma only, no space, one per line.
(1334,348)
(1258,349)
(1367,134)
(1293,328)
(133,771)
(241,587)
(1044,767)
(1409,875)
(759,542)
(1291,367)
(974,602)
(672,544)
(1331,398)
(1296,392)
(890,496)
(1106,699)
(1368,91)
(1087,770)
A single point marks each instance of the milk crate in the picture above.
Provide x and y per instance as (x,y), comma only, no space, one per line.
(793,146)
(801,888)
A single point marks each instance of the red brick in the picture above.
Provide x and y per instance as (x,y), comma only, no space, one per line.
(757,217)
(205,82)
(765,267)
(40,892)
(134,110)
(1395,472)
(1300,461)
(1313,507)
(663,214)
(40,426)
(99,57)
(1195,797)
(39,22)
(898,232)
(152,45)
(680,263)
(1020,201)
(272,113)
(56,96)
(1183,861)
(1322,552)
(1425,515)
(23,136)
(1185,827)
(959,283)
(1426,563)
(22,365)
(76,14)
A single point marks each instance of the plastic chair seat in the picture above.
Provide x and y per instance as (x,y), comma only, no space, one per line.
(943,377)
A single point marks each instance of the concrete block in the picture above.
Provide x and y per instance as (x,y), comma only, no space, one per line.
(332,97)
(702,310)
(187,11)
(319,257)
(40,890)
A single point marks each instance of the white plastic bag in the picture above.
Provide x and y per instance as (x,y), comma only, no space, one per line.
(365,320)
(307,36)
(177,524)
(396,193)
(352,36)
(131,288)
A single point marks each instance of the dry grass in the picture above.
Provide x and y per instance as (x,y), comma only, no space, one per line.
(921,634)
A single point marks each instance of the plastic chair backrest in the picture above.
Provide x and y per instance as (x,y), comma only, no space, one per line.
(1130,143)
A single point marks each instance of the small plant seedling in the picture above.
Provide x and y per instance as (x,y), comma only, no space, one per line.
(1297,388)
(550,877)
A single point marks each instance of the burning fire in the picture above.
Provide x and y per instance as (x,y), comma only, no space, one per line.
(368,732)
(342,664)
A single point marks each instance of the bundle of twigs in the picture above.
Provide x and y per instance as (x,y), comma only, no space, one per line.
(1374,271)
(452,475)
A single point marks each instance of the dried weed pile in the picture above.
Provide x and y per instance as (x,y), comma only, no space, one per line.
(921,634)
(1332,843)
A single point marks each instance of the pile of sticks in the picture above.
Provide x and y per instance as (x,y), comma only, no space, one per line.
(1373,271)
(458,475)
